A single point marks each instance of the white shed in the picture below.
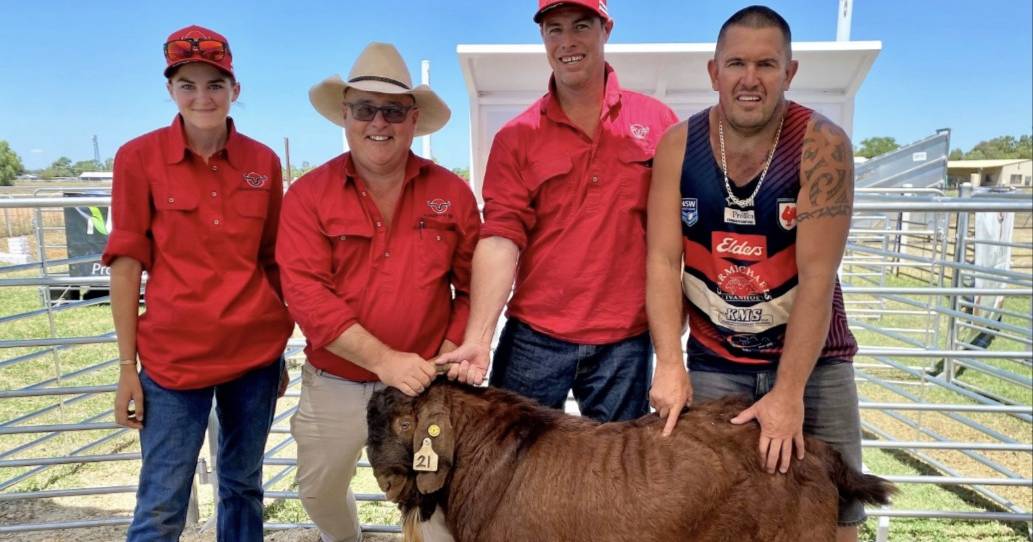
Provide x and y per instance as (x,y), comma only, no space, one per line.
(96,176)
(502,80)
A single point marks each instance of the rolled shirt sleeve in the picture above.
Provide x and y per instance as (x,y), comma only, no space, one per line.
(508,211)
(304,256)
(131,211)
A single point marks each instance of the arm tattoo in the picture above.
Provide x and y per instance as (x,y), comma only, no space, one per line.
(826,172)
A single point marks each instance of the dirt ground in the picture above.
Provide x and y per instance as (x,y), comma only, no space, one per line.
(23,512)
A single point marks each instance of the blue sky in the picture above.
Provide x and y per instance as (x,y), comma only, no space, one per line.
(72,69)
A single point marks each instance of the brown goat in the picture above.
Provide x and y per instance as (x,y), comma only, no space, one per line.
(509,470)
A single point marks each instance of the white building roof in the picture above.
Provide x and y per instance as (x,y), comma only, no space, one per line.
(96,175)
(502,80)
(984,164)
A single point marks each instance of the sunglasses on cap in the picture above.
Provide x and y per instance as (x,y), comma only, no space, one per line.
(365,112)
(185,48)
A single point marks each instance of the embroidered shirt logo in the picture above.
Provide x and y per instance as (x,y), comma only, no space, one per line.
(639,131)
(255,180)
(787,214)
(689,212)
(439,206)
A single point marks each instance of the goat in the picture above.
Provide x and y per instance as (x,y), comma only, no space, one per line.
(505,469)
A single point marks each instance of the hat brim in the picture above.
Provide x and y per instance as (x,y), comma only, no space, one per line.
(328,99)
(541,13)
(171,67)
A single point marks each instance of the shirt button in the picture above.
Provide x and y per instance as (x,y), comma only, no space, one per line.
(215,194)
(216,222)
(387,254)
(172,200)
(363,194)
(595,179)
(343,237)
(214,167)
(379,224)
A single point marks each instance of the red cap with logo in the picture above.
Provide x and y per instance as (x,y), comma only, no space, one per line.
(596,6)
(197,44)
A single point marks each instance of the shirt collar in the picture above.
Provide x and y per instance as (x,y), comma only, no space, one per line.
(414,166)
(176,145)
(550,106)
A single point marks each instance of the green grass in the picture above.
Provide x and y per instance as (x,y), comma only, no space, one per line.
(96,320)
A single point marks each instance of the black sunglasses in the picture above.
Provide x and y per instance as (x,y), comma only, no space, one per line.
(365,112)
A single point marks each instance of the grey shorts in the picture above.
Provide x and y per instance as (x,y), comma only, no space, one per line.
(831,414)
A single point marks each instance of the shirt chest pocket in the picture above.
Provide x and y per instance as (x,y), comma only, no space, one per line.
(550,187)
(636,170)
(251,202)
(350,246)
(435,245)
(177,224)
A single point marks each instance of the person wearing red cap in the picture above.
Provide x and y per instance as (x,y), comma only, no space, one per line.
(196,205)
(375,249)
(564,214)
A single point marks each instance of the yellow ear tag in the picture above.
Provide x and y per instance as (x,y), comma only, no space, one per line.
(433,430)
(425,460)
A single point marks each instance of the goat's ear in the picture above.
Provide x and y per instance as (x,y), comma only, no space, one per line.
(432,422)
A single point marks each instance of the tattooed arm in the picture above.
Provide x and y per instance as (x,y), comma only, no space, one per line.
(824,207)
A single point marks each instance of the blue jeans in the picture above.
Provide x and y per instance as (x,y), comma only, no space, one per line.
(830,411)
(174,427)
(610,381)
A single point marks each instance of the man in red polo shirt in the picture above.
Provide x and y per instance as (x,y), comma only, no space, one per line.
(565,214)
(372,244)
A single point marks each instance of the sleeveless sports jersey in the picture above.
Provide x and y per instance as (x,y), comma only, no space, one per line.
(740,270)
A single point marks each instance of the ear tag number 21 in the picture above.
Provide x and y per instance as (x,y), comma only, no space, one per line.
(425,460)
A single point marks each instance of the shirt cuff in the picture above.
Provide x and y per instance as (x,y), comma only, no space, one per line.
(513,233)
(130,244)
(320,339)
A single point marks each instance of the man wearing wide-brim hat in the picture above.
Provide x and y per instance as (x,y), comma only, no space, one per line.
(371,246)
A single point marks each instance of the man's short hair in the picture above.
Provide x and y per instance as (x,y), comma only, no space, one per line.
(759,17)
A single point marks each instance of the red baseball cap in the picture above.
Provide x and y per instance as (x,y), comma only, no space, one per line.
(596,6)
(197,44)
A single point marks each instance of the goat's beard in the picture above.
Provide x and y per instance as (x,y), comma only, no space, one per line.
(411,531)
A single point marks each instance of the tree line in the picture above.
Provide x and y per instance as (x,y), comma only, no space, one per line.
(1002,147)
(997,148)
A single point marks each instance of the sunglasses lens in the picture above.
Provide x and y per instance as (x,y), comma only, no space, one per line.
(364,112)
(178,50)
(393,114)
(212,50)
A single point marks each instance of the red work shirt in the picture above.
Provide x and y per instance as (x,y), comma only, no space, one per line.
(342,264)
(205,234)
(576,208)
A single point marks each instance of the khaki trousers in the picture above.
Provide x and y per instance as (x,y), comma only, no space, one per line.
(329,428)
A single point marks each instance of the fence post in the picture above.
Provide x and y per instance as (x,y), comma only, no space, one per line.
(960,246)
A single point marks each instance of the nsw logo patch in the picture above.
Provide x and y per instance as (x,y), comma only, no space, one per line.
(689,211)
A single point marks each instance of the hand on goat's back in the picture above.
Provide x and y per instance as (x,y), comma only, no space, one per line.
(670,393)
(780,415)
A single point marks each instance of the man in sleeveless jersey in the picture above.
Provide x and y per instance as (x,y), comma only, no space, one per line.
(748,214)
